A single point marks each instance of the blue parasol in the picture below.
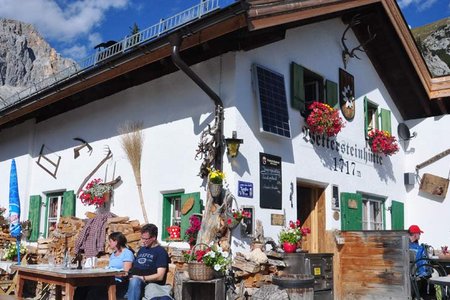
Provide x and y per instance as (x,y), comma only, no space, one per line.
(14,208)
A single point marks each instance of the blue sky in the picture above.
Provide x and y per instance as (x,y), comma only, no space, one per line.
(421,12)
(74,27)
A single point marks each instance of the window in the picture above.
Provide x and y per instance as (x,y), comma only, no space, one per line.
(308,86)
(376,118)
(174,201)
(371,116)
(373,209)
(271,93)
(177,209)
(362,212)
(60,204)
(54,203)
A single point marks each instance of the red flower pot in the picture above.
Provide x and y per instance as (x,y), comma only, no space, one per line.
(289,247)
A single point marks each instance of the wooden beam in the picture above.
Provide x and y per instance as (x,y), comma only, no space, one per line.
(263,17)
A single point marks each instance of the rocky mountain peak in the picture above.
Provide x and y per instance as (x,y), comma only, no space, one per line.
(25,57)
(433,41)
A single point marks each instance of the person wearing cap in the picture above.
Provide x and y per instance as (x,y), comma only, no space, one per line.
(414,234)
(422,271)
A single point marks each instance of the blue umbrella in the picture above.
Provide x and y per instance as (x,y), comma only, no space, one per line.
(14,208)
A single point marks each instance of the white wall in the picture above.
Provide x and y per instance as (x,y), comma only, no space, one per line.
(431,213)
(175,111)
(317,48)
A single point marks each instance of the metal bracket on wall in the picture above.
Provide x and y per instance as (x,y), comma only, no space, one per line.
(47,164)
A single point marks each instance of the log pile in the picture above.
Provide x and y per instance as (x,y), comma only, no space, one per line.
(68,230)
(254,271)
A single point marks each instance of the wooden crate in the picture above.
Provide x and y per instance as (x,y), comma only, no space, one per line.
(210,289)
(373,265)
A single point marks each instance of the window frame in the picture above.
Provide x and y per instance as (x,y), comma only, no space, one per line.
(327,90)
(370,110)
(167,201)
(60,200)
(369,223)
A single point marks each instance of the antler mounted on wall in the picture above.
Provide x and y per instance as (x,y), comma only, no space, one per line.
(346,53)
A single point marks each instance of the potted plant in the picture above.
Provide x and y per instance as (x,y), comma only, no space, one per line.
(216,178)
(191,233)
(95,193)
(381,141)
(235,217)
(291,236)
(203,263)
(324,120)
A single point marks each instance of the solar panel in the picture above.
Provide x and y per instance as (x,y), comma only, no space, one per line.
(271,92)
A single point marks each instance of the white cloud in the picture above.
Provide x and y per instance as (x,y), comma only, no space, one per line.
(63,20)
(75,52)
(424,5)
(94,39)
(421,5)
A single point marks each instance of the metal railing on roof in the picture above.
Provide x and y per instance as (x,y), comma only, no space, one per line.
(153,32)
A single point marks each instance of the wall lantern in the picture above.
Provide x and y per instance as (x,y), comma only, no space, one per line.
(233,145)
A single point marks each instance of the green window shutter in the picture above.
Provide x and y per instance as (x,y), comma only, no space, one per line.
(351,210)
(34,216)
(194,210)
(297,88)
(167,209)
(397,215)
(385,120)
(68,204)
(332,93)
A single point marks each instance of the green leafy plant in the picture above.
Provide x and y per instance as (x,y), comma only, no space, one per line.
(11,251)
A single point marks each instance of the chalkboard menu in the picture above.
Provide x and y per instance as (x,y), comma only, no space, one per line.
(270,181)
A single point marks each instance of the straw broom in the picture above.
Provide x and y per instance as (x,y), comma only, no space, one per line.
(132,141)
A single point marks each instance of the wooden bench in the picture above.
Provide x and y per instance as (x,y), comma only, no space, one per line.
(7,283)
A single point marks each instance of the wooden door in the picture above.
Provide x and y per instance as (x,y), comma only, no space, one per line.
(311,212)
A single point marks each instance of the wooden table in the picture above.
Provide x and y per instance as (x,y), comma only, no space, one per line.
(67,278)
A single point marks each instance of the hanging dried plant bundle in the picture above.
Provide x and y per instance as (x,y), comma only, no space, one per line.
(132,141)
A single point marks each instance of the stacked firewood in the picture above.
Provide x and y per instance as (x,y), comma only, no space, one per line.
(68,230)
(6,239)
(255,269)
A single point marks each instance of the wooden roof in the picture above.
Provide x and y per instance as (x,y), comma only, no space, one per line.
(246,25)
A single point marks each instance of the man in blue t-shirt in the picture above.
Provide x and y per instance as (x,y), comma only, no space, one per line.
(151,263)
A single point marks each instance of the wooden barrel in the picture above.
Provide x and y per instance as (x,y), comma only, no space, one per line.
(298,286)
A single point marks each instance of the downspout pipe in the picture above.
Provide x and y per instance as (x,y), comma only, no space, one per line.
(175,42)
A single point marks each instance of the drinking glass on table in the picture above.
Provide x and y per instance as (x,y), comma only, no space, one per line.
(51,260)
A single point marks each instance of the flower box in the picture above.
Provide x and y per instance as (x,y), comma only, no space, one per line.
(381,141)
(322,119)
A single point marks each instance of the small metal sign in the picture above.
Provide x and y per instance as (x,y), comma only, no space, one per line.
(277,219)
(352,203)
(245,189)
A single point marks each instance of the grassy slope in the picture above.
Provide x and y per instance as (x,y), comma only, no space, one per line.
(420,33)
